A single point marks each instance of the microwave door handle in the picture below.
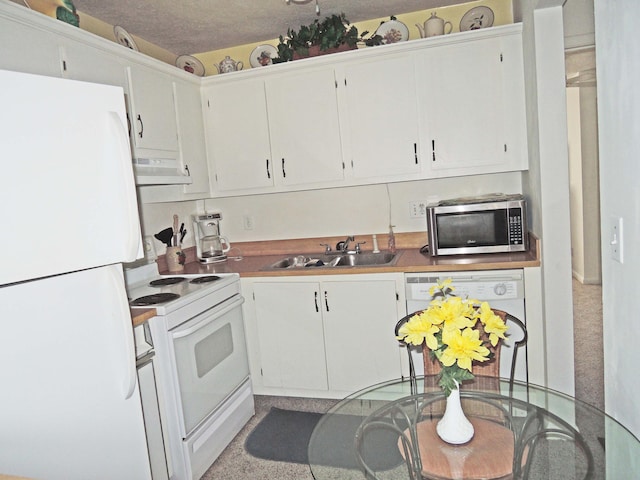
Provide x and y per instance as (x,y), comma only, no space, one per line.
(203,323)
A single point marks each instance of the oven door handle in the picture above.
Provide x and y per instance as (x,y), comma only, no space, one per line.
(217,314)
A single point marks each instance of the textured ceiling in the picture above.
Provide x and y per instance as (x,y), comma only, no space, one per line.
(196,26)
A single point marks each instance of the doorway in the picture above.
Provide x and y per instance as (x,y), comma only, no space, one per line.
(584,181)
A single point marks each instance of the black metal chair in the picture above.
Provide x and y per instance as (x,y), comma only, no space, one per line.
(516,339)
(527,442)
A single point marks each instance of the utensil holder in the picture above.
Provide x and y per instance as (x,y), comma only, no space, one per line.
(175,259)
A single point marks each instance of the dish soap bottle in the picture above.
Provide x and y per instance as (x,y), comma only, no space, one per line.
(392,240)
(375,244)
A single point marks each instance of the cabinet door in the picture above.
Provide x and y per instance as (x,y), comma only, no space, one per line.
(465,111)
(153,109)
(28,50)
(238,136)
(359,319)
(304,127)
(381,125)
(290,335)
(89,64)
(191,141)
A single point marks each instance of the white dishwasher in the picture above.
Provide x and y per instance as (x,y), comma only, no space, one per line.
(503,289)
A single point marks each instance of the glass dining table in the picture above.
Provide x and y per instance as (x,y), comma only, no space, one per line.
(387,431)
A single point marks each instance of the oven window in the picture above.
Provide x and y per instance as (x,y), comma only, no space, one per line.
(475,229)
(211,351)
(211,361)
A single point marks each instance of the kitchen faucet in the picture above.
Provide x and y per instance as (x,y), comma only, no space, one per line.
(343,246)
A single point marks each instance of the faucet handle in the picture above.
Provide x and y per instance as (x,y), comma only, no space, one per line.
(327,247)
(358,249)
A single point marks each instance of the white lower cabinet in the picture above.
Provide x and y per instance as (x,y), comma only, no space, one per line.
(331,334)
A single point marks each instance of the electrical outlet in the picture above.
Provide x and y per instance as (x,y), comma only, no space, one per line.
(417,209)
(616,239)
(247,221)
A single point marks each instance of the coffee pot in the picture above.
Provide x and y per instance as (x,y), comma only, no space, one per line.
(211,247)
(434,26)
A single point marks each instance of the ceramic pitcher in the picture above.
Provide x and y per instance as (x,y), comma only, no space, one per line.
(433,26)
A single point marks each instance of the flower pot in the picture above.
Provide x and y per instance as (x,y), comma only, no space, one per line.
(454,427)
(314,51)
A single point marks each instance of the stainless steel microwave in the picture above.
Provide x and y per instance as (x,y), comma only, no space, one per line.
(488,224)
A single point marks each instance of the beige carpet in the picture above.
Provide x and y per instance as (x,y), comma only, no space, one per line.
(235,463)
(588,347)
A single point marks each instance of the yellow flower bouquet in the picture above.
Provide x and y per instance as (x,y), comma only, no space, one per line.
(457,332)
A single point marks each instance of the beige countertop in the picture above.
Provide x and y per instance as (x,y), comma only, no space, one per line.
(257,256)
(141,315)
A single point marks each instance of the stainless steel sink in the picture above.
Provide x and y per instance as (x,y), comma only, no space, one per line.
(366,259)
(334,261)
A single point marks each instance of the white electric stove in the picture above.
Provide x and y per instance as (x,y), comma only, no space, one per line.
(202,364)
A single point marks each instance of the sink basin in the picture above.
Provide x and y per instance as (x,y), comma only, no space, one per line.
(334,261)
(366,259)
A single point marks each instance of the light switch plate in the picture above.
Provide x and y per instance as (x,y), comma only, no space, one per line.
(616,239)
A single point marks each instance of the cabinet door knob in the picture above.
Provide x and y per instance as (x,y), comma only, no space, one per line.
(326,301)
(315,294)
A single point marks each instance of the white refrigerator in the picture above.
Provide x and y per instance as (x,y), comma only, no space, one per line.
(69,404)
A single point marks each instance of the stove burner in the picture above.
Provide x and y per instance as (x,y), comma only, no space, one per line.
(154,299)
(161,282)
(205,279)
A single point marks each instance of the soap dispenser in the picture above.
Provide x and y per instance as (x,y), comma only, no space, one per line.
(392,240)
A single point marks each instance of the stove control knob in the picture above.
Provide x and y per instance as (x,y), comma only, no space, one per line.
(500,289)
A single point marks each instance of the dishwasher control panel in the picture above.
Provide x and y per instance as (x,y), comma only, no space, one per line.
(485,286)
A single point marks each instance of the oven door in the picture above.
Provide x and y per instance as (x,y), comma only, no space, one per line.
(211,360)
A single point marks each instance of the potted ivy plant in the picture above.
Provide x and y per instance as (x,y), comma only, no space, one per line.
(333,34)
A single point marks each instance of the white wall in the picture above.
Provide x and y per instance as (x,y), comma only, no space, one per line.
(578,23)
(575,182)
(618,71)
(547,181)
(317,213)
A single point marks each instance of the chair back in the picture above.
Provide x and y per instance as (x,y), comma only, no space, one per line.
(516,339)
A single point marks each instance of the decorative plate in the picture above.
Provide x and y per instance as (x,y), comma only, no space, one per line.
(393,31)
(262,55)
(190,64)
(124,38)
(476,18)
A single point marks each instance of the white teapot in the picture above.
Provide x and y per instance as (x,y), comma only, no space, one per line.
(433,26)
(228,65)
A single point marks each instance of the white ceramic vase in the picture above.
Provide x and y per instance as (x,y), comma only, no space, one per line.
(454,427)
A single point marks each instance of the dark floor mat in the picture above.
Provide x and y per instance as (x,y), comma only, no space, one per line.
(284,435)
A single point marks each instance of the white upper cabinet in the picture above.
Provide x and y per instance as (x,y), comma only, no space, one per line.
(471,100)
(89,64)
(304,127)
(237,134)
(191,140)
(152,109)
(381,117)
(28,49)
(272,134)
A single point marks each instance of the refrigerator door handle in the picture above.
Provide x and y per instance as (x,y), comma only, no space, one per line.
(121,136)
(129,355)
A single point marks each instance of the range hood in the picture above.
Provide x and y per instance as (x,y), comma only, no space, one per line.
(160,171)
